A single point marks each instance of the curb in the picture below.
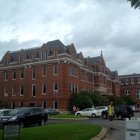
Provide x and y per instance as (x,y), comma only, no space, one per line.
(101,135)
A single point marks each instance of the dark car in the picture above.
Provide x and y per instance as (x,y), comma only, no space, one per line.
(4,112)
(51,111)
(25,116)
(121,111)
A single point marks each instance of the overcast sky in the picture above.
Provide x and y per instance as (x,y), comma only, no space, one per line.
(91,25)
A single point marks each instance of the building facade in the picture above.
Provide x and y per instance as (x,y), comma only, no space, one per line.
(47,76)
(130,85)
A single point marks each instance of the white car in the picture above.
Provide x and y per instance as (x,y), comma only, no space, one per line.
(100,109)
(90,112)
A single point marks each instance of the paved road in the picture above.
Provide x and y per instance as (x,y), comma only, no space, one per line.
(118,134)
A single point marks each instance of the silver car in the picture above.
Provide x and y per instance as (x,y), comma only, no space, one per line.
(89,112)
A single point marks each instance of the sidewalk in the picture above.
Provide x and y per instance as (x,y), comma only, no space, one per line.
(101,135)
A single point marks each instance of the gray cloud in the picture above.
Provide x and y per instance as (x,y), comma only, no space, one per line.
(92,26)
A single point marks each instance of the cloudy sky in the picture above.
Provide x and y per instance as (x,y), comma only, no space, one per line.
(91,25)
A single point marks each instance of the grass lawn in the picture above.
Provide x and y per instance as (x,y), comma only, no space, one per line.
(66,116)
(63,131)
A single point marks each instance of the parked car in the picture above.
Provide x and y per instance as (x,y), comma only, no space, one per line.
(121,111)
(51,111)
(4,112)
(25,116)
(90,112)
(100,109)
(133,108)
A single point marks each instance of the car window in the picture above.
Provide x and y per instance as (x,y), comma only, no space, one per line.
(30,111)
(17,111)
(85,109)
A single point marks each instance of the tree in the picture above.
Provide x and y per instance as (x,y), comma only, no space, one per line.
(135,3)
(128,101)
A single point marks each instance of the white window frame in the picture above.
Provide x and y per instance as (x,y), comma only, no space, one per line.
(5,91)
(13,91)
(132,81)
(6,76)
(55,90)
(20,104)
(55,70)
(32,90)
(126,81)
(14,75)
(44,71)
(138,80)
(21,73)
(127,92)
(20,90)
(138,93)
(33,74)
(43,88)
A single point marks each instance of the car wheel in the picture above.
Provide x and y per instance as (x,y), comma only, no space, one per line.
(78,114)
(42,122)
(120,117)
(93,115)
(104,116)
(21,124)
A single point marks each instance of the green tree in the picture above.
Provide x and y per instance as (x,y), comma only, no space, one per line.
(135,3)
(128,101)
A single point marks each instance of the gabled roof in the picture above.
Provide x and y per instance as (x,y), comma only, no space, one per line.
(50,45)
(94,60)
(130,75)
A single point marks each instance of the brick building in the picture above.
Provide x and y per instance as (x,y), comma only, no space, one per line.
(47,75)
(130,85)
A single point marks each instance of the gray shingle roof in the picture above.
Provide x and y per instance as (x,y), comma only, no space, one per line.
(130,75)
(94,60)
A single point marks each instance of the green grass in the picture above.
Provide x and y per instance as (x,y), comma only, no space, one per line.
(66,116)
(63,131)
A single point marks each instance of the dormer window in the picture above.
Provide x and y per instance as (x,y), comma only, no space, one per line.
(55,54)
(43,55)
(138,80)
(21,59)
(6,62)
(132,81)
(126,81)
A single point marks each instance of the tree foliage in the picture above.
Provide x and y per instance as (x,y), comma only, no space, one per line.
(87,99)
(135,3)
(128,101)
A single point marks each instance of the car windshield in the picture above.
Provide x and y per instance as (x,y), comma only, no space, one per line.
(18,111)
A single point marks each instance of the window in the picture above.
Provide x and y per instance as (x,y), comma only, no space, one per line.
(121,82)
(73,71)
(132,81)
(21,90)
(73,88)
(14,75)
(55,54)
(126,81)
(20,104)
(33,74)
(82,76)
(33,90)
(55,69)
(33,57)
(6,62)
(13,91)
(138,94)
(43,56)
(55,105)
(43,88)
(21,59)
(5,91)
(127,92)
(44,104)
(6,76)
(44,71)
(13,105)
(138,80)
(22,74)
(55,86)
